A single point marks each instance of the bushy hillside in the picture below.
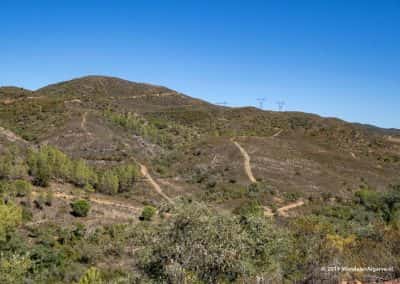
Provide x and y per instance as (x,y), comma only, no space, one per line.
(223,194)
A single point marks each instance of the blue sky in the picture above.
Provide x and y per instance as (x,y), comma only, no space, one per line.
(334,58)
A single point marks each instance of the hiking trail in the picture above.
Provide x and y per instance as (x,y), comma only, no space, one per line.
(283,210)
(145,172)
(246,162)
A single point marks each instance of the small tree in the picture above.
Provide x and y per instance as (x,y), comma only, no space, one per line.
(126,176)
(108,183)
(83,174)
(12,166)
(40,168)
(80,208)
(148,213)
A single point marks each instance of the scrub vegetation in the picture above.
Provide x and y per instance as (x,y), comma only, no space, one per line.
(108,181)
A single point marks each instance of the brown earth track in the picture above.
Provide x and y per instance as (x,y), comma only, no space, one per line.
(145,172)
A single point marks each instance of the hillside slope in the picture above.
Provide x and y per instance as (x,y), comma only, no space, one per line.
(186,142)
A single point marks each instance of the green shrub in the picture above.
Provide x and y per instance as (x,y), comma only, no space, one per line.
(49,198)
(12,166)
(148,213)
(10,218)
(14,269)
(22,188)
(127,175)
(82,174)
(215,248)
(80,208)
(108,183)
(39,168)
(370,199)
(250,209)
(47,163)
(40,201)
(92,276)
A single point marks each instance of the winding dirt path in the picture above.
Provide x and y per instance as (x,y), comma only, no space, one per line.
(11,136)
(247,167)
(277,133)
(84,122)
(246,162)
(283,210)
(94,199)
(145,172)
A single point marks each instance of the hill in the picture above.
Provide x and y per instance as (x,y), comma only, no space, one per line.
(106,120)
(255,194)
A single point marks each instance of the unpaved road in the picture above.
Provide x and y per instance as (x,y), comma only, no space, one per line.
(247,166)
(101,201)
(393,139)
(11,136)
(145,172)
(83,123)
(283,210)
(246,162)
(277,133)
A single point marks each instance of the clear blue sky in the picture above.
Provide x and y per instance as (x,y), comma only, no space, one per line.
(334,58)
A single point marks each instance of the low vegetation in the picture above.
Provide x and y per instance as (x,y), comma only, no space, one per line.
(82,141)
(80,208)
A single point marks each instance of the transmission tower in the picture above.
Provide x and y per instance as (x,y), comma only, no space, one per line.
(261,102)
(224,103)
(280,104)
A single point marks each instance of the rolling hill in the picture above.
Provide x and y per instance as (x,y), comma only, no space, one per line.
(188,141)
(103,180)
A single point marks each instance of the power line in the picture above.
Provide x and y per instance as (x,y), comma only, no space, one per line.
(224,103)
(280,104)
(261,102)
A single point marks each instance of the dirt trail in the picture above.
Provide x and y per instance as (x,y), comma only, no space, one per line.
(84,122)
(154,95)
(94,199)
(247,166)
(393,139)
(11,136)
(283,210)
(268,211)
(277,133)
(145,172)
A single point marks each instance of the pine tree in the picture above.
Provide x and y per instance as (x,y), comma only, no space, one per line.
(108,183)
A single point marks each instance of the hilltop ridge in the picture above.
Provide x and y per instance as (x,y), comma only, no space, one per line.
(107,120)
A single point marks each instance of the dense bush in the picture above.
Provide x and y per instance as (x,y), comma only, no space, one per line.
(92,276)
(80,208)
(108,183)
(22,188)
(49,163)
(82,174)
(10,218)
(148,213)
(118,179)
(213,248)
(12,165)
(155,130)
